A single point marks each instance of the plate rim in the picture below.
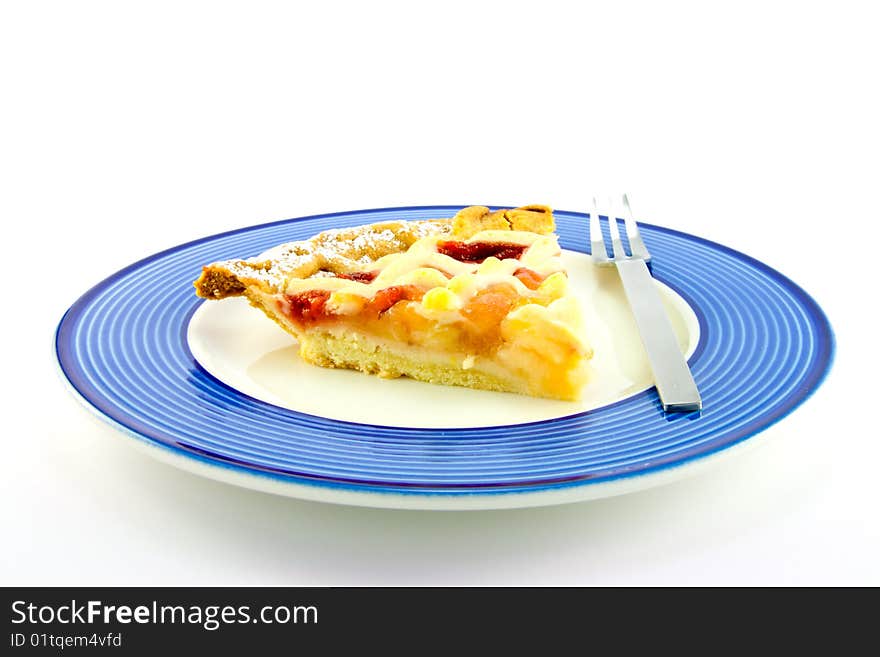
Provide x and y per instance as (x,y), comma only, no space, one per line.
(588,485)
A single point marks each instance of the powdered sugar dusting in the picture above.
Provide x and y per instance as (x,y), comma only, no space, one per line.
(338,249)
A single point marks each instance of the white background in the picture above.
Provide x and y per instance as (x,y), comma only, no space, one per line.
(129,128)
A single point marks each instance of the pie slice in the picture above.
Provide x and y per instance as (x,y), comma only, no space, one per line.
(478,300)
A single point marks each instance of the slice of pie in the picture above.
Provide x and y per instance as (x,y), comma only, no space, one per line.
(478,300)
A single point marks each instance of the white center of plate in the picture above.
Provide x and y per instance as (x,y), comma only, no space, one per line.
(243,348)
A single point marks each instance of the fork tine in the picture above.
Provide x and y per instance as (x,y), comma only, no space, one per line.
(636,245)
(597,242)
(616,244)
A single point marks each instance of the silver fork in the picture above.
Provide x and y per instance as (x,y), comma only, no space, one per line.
(673,378)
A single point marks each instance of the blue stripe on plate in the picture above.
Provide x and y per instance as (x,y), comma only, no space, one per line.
(765,346)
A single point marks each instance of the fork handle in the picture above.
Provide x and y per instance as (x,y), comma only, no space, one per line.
(673,378)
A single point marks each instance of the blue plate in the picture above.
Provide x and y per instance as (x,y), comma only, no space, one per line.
(765,346)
